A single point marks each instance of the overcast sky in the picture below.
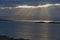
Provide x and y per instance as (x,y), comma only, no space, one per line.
(30,2)
(54,11)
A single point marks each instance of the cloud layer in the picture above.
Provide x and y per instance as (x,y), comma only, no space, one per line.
(27,2)
(27,6)
(33,12)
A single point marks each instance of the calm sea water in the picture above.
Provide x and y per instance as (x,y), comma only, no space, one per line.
(32,31)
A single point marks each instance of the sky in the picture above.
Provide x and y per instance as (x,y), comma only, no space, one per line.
(36,14)
(29,2)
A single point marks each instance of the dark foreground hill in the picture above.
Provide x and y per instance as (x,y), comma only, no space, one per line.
(8,38)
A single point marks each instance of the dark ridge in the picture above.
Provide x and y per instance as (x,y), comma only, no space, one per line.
(5,20)
(8,38)
(39,22)
(55,22)
(49,22)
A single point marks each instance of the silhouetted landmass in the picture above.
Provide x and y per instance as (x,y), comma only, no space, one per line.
(5,20)
(39,22)
(49,22)
(55,22)
(8,38)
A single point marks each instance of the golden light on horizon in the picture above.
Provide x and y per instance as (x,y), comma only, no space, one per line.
(47,21)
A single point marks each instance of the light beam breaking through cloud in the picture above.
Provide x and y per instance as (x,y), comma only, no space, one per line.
(27,6)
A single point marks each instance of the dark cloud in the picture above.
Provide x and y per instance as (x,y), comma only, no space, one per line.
(29,2)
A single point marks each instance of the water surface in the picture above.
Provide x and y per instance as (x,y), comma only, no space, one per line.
(29,30)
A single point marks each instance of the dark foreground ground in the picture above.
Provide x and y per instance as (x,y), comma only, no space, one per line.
(8,38)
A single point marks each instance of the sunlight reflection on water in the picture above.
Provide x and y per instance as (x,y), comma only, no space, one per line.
(32,31)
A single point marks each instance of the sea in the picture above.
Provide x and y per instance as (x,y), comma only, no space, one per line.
(30,30)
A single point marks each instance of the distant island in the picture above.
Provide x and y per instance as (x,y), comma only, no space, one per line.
(33,21)
(8,38)
(5,20)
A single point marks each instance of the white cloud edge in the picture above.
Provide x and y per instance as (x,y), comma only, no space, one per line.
(27,6)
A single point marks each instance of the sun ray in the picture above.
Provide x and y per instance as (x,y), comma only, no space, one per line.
(19,11)
(45,15)
(25,13)
(31,14)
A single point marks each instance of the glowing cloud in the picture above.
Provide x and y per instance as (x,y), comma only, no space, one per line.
(27,6)
(47,5)
(39,6)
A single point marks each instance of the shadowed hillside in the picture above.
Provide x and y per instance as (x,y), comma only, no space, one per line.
(8,38)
